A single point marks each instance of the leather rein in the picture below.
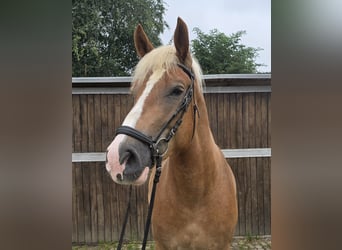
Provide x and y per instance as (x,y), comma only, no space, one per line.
(158,147)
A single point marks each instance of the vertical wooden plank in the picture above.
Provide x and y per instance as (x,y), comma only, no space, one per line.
(247,195)
(111,119)
(79,202)
(104,122)
(233,164)
(239,120)
(229,133)
(221,123)
(91,123)
(142,200)
(86,202)
(118,216)
(252,162)
(260,127)
(239,163)
(267,173)
(254,197)
(225,123)
(269,120)
(97,123)
(85,168)
(134,214)
(266,142)
(78,170)
(84,123)
(117,111)
(74,120)
(113,210)
(212,113)
(99,202)
(139,211)
(74,206)
(267,196)
(260,195)
(76,124)
(246,163)
(98,169)
(75,147)
(123,203)
(233,122)
(266,120)
(111,201)
(258,120)
(92,170)
(93,202)
(110,229)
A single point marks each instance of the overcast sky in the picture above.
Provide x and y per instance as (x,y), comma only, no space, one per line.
(228,16)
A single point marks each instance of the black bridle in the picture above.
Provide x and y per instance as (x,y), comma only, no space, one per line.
(159,146)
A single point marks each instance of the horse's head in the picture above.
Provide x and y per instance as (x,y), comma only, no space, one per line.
(162,87)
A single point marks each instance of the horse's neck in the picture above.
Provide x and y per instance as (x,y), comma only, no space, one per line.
(195,169)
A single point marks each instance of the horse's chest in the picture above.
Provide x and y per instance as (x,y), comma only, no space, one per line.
(183,222)
(192,236)
(187,233)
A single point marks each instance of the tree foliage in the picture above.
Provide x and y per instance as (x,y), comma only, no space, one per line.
(222,54)
(102,34)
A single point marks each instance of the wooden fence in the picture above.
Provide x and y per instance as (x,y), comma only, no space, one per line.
(240,116)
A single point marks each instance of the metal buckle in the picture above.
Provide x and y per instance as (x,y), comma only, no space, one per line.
(161,146)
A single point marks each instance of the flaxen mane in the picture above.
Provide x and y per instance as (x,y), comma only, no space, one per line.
(163,59)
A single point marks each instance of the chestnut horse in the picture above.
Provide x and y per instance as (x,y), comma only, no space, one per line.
(195,205)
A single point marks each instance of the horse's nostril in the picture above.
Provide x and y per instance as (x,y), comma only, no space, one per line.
(119,177)
(134,156)
(125,156)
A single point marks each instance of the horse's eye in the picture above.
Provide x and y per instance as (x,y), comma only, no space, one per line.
(177,91)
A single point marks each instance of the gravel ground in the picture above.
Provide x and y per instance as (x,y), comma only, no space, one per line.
(239,243)
(253,242)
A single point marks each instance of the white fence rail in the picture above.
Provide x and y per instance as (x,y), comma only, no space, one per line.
(228,153)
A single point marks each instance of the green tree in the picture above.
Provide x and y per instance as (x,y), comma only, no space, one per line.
(222,54)
(102,34)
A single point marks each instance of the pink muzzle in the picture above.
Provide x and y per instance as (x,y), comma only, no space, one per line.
(118,165)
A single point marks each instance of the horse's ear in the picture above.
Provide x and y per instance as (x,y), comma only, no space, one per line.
(181,40)
(141,42)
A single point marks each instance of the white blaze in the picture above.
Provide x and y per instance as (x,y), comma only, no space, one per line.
(135,113)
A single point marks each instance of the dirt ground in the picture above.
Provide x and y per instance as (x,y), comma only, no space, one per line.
(239,243)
